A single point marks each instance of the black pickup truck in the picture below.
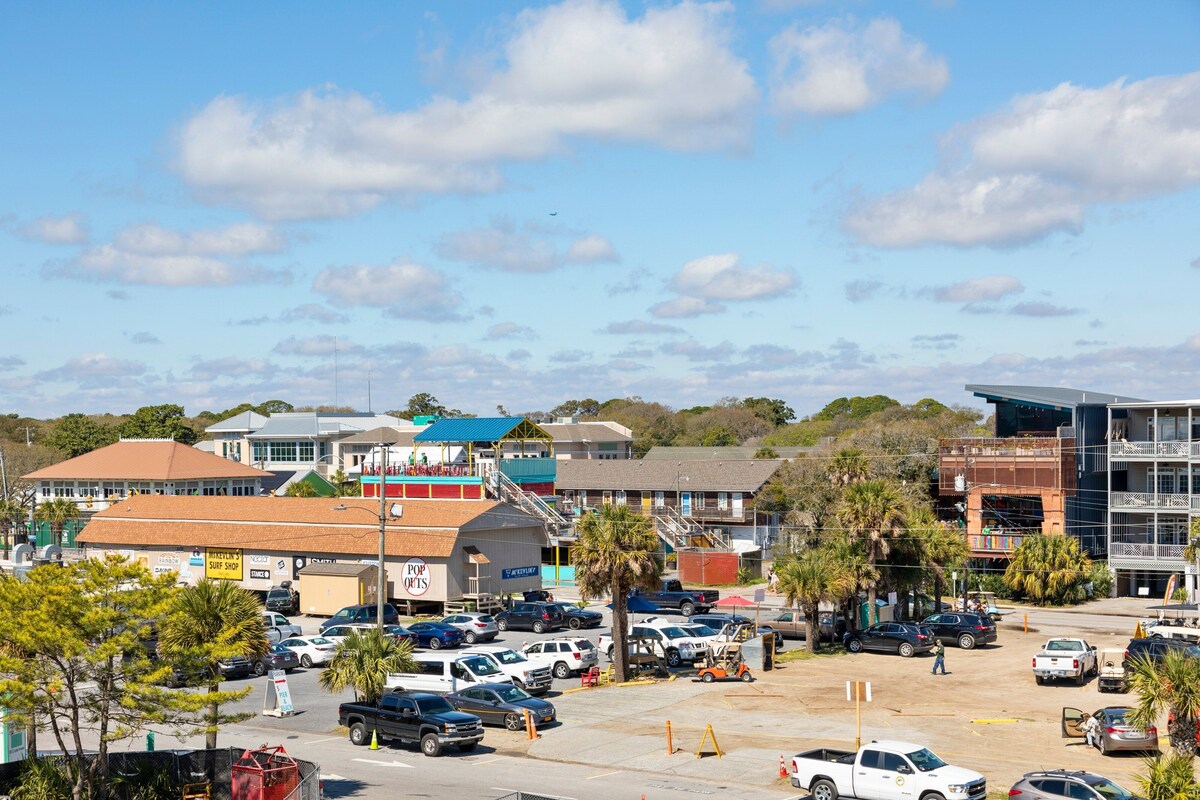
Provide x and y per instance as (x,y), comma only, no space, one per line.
(413,718)
(673,595)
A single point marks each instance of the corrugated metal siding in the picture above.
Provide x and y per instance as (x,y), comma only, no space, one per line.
(508,548)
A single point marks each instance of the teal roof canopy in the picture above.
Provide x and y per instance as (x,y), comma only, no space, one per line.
(480,429)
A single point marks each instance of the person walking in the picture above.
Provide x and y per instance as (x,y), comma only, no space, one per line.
(939,658)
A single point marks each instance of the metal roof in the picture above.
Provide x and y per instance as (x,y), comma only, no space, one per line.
(1059,397)
(314,423)
(245,421)
(686,476)
(731,453)
(476,429)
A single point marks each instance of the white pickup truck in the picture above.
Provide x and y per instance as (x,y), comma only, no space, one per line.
(884,771)
(1065,658)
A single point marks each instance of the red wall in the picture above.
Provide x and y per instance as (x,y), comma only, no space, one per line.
(705,568)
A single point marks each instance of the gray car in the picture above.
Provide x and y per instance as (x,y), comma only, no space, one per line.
(501,704)
(1116,731)
(475,627)
(1061,784)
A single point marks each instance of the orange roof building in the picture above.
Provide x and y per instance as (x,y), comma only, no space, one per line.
(144,466)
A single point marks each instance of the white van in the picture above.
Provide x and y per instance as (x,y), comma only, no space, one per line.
(533,678)
(442,673)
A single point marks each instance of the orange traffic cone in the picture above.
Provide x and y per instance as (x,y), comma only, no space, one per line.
(783,773)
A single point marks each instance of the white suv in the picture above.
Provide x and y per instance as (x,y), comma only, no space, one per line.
(564,655)
(668,640)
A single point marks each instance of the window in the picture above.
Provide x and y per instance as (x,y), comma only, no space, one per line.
(260,451)
(870,759)
(892,762)
(1079,792)
(536,648)
(723,500)
(660,499)
(306,451)
(620,497)
(606,498)
(698,499)
(583,498)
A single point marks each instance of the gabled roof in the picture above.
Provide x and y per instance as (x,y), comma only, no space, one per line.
(482,429)
(146,460)
(245,421)
(294,424)
(1057,397)
(385,435)
(586,432)
(731,453)
(685,476)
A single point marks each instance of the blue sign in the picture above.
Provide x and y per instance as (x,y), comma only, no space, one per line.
(518,572)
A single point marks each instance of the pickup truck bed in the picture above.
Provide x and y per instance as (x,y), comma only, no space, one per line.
(832,756)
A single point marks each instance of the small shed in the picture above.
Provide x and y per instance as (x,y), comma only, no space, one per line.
(325,588)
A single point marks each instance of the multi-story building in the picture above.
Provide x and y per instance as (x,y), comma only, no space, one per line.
(1043,471)
(293,440)
(1154,492)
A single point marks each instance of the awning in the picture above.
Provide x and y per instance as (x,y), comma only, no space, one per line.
(474,556)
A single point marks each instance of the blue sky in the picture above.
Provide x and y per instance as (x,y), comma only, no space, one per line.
(517,204)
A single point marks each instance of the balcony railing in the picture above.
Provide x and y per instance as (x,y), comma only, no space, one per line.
(421,470)
(994,542)
(1153,449)
(1149,501)
(1146,550)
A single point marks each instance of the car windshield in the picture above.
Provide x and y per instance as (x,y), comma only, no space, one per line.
(511,694)
(510,657)
(1062,645)
(320,640)
(925,761)
(278,648)
(433,705)
(486,618)
(481,666)
(675,633)
(700,630)
(1110,790)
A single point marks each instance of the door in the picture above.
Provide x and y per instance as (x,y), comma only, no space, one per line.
(685,504)
(737,505)
(1072,723)
(646,499)
(406,722)
(876,776)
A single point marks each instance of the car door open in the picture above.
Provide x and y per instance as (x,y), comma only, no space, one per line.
(1072,723)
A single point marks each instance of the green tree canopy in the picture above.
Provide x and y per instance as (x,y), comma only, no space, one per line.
(817,576)
(76,434)
(771,410)
(158,422)
(1048,570)
(576,408)
(363,662)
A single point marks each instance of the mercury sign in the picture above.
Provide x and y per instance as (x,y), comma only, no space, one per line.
(415,577)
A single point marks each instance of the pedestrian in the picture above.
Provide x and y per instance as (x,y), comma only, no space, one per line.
(772,580)
(939,658)
(1091,729)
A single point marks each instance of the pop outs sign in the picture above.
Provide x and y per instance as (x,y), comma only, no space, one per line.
(415,577)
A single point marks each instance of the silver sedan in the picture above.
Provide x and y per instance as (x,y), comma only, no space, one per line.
(475,627)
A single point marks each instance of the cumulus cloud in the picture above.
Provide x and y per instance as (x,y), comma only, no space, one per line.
(401,289)
(694,351)
(581,69)
(570,356)
(503,247)
(92,367)
(519,355)
(1036,167)
(938,341)
(988,287)
(509,330)
(10,363)
(1041,309)
(592,249)
(631,285)
(71,229)
(150,254)
(844,67)
(638,327)
(308,312)
(705,284)
(317,346)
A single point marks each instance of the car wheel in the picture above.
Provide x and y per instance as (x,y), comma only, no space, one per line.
(574,624)
(673,658)
(539,627)
(513,722)
(467,746)
(708,677)
(561,670)
(823,789)
(305,661)
(906,650)
(1102,747)
(687,609)
(358,734)
(610,652)
(502,624)
(435,643)
(1081,678)
(470,637)
(747,677)
(966,641)
(260,668)
(430,745)
(854,646)
(1040,680)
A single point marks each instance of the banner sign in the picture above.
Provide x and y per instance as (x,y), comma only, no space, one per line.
(260,574)
(224,564)
(519,572)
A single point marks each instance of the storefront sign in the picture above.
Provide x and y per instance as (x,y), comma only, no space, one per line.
(168,559)
(260,559)
(260,574)
(415,577)
(225,564)
(196,559)
(518,572)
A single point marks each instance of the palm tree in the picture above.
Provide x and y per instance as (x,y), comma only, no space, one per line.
(363,662)
(850,554)
(815,577)
(1170,778)
(944,547)
(617,551)
(210,622)
(1171,685)
(848,466)
(1049,570)
(873,512)
(58,512)
(11,511)
(302,489)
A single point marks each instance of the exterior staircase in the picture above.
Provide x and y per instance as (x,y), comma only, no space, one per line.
(681,532)
(503,488)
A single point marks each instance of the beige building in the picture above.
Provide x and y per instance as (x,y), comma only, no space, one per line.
(437,551)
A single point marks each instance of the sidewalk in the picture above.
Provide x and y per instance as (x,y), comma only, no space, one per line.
(1131,607)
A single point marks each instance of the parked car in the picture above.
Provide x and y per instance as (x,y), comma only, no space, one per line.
(669,642)
(443,673)
(236,667)
(279,627)
(339,632)
(1155,649)
(363,612)
(283,598)
(475,627)
(965,630)
(1116,731)
(502,705)
(578,618)
(793,625)
(313,650)
(533,678)
(412,718)
(436,635)
(537,596)
(890,637)
(1064,784)
(671,594)
(883,770)
(564,655)
(536,617)
(276,657)
(1066,657)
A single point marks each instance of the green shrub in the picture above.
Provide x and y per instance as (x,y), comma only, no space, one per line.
(994,582)
(745,575)
(43,779)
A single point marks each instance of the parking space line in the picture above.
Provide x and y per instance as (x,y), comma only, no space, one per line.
(330,739)
(489,761)
(602,774)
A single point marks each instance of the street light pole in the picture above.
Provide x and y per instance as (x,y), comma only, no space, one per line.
(381,589)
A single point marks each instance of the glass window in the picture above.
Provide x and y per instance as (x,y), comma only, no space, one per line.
(892,762)
(925,760)
(698,499)
(260,451)
(306,452)
(870,759)
(659,499)
(1111,791)
(1079,792)
(620,497)
(722,500)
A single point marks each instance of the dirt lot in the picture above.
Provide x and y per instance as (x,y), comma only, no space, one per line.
(987,714)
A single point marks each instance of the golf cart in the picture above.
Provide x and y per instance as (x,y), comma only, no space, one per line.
(1111,677)
(725,663)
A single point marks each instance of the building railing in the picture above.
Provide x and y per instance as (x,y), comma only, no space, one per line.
(995,542)
(1121,449)
(1146,550)
(421,470)
(1151,501)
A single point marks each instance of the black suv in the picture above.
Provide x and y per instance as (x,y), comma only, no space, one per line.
(1154,648)
(967,630)
(283,598)
(536,617)
(363,612)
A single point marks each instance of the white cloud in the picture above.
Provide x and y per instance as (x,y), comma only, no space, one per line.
(705,283)
(92,367)
(1041,309)
(144,337)
(71,229)
(402,289)
(975,290)
(592,249)
(232,367)
(152,255)
(509,330)
(844,67)
(317,346)
(1039,165)
(685,307)
(503,247)
(694,351)
(579,69)
(638,327)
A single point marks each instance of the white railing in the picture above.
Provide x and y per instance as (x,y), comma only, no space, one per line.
(1151,501)
(1153,449)
(1145,550)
